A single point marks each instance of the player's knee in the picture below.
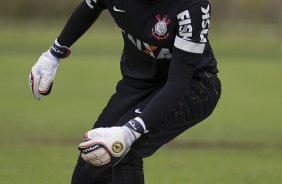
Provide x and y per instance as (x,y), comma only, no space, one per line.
(86,173)
(129,164)
(129,170)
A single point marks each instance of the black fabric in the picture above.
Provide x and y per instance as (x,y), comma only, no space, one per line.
(196,104)
(130,95)
(149,39)
(180,75)
(86,173)
(128,171)
(79,22)
(169,74)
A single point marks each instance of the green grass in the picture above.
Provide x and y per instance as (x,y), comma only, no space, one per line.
(216,166)
(240,143)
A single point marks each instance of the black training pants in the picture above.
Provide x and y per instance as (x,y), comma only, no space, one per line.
(131,97)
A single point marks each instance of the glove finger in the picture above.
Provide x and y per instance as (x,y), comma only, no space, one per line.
(34,84)
(96,133)
(82,146)
(45,85)
(94,152)
(86,144)
(97,158)
(45,93)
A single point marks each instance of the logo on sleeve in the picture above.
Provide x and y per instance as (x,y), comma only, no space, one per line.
(185,26)
(205,23)
(91,3)
(159,31)
(118,10)
(137,111)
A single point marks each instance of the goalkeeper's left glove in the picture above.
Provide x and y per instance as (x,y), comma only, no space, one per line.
(107,146)
(43,72)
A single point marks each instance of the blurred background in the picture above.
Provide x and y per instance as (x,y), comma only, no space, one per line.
(240,143)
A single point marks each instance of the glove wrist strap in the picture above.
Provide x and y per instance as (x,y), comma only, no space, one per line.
(137,125)
(59,51)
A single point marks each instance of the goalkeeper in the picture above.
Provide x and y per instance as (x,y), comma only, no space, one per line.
(169,83)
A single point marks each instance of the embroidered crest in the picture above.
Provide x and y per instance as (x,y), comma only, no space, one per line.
(160,29)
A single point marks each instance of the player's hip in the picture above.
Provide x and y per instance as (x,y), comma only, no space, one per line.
(195,105)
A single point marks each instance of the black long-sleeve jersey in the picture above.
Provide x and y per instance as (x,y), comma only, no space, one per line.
(164,40)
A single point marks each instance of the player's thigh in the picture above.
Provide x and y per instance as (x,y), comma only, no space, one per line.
(128,94)
(86,173)
(195,105)
(128,171)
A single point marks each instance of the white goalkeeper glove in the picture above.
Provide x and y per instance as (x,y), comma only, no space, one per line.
(107,146)
(43,72)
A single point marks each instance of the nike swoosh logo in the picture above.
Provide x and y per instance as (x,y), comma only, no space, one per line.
(118,10)
(138,111)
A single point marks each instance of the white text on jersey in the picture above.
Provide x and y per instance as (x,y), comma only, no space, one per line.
(185,27)
(91,3)
(205,23)
(152,50)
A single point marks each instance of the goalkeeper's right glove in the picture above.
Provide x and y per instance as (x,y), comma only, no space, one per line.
(43,72)
(107,146)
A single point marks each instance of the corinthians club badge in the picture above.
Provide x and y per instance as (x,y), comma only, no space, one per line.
(160,29)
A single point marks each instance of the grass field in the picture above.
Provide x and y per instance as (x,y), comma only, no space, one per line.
(240,143)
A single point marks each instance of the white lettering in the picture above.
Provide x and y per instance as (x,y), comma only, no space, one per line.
(206,12)
(185,27)
(164,53)
(138,44)
(186,32)
(132,123)
(183,15)
(205,23)
(152,50)
(90,3)
(131,39)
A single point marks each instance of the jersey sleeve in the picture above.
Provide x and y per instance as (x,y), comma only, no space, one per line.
(80,21)
(193,26)
(189,46)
